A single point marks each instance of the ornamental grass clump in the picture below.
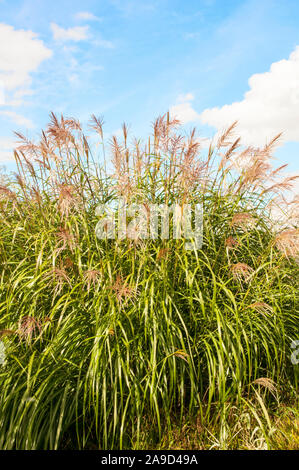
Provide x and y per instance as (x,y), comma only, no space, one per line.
(114,339)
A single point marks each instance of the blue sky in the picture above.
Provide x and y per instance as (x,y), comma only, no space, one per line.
(131,60)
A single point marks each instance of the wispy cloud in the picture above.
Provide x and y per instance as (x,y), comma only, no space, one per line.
(17,98)
(18,119)
(2,93)
(269,107)
(195,35)
(87,16)
(100,42)
(77,33)
(135,7)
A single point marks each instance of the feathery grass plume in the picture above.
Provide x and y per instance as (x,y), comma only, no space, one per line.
(273,143)
(267,383)
(122,291)
(283,212)
(68,200)
(286,184)
(59,278)
(164,128)
(36,196)
(162,253)
(68,263)
(231,243)
(262,307)
(257,173)
(29,326)
(97,123)
(66,239)
(192,170)
(26,146)
(229,153)
(242,160)
(138,159)
(6,193)
(122,175)
(224,138)
(60,131)
(241,271)
(287,242)
(243,220)
(256,167)
(92,277)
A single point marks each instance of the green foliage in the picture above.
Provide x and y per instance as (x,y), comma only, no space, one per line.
(106,338)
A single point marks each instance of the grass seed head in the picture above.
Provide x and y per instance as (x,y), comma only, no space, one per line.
(287,242)
(241,271)
(243,220)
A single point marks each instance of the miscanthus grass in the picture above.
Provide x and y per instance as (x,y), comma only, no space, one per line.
(115,344)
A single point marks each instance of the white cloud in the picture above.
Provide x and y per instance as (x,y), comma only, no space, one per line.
(269,107)
(77,33)
(183,110)
(2,93)
(17,118)
(21,52)
(87,16)
(7,145)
